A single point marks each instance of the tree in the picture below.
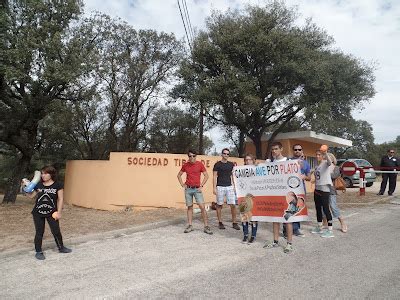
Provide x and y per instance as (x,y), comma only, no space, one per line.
(237,138)
(74,130)
(131,72)
(173,130)
(259,70)
(40,61)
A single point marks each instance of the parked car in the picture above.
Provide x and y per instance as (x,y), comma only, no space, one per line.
(370,175)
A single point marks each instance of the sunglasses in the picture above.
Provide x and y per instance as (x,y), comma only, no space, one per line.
(298,149)
(391,152)
(192,155)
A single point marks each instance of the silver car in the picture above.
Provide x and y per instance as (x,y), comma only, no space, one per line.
(370,175)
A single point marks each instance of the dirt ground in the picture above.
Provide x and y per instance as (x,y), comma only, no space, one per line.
(17,230)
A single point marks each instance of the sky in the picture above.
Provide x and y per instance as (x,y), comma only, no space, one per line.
(367,29)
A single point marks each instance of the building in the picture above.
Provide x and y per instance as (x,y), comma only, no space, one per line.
(309,140)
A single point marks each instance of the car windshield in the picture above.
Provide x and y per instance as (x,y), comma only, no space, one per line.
(362,163)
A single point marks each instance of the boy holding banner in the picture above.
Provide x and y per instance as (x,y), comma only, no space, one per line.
(276,153)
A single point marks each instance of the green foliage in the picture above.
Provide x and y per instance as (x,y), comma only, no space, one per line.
(130,71)
(173,130)
(257,70)
(40,62)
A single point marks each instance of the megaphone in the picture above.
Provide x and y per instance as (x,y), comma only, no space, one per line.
(30,185)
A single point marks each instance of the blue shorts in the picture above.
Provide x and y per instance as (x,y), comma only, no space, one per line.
(193,192)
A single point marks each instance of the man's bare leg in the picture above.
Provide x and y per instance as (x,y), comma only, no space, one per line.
(203,214)
(233,212)
(190,214)
(289,231)
(219,208)
(275,227)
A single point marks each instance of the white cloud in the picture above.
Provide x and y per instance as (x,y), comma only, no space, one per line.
(368,29)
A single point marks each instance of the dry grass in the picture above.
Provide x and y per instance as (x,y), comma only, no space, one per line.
(17,229)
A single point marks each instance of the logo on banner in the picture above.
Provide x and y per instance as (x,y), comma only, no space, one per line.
(242,185)
(293,182)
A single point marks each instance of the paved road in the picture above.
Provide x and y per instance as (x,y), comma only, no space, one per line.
(166,263)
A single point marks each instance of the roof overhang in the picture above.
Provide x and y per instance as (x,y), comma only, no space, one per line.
(310,136)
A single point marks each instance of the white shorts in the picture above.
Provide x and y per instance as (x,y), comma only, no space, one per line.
(228,192)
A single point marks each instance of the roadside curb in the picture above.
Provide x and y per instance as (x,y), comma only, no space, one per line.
(48,245)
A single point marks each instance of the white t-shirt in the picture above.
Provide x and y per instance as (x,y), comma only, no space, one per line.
(277,160)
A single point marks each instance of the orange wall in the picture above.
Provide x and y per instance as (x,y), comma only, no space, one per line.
(141,180)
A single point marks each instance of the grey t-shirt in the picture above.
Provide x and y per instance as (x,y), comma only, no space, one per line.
(323,180)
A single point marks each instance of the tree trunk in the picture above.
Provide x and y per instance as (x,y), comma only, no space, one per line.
(201,129)
(242,137)
(14,182)
(257,143)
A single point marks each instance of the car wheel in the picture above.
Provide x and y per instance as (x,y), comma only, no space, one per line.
(348,182)
(369,184)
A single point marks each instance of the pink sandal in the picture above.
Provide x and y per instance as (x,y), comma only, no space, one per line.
(344,228)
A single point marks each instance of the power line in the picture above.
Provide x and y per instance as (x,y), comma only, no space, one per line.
(189,22)
(184,25)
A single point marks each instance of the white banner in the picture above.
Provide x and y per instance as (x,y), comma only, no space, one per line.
(276,190)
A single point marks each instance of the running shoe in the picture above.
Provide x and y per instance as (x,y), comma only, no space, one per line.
(188,229)
(40,256)
(299,233)
(64,249)
(327,234)
(288,248)
(317,230)
(207,230)
(269,245)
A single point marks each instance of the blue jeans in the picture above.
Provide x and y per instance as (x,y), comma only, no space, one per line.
(296,227)
(254,226)
(190,193)
(334,208)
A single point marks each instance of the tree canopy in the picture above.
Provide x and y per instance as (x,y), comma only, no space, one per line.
(257,70)
(39,64)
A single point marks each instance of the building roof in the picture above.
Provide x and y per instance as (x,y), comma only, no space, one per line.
(310,136)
